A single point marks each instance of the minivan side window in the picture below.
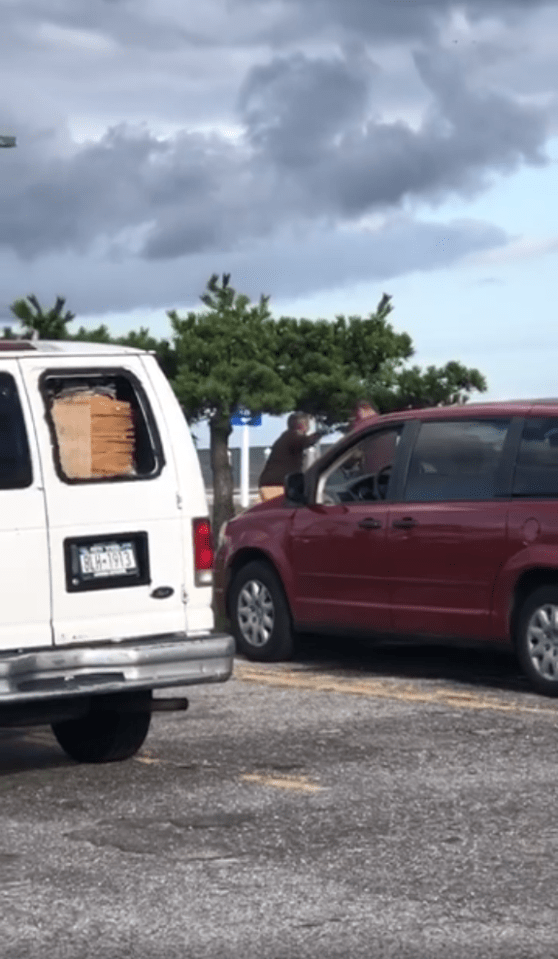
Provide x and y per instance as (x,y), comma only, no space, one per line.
(15,461)
(362,472)
(101,425)
(455,460)
(536,470)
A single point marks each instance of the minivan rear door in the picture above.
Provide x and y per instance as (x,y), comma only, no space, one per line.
(447,539)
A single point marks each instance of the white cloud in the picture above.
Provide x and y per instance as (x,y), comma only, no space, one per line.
(521,248)
(88,41)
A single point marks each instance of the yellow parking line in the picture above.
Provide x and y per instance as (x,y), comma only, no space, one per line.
(277,780)
(378,689)
(296,783)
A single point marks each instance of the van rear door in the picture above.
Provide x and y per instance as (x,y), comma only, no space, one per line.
(114,514)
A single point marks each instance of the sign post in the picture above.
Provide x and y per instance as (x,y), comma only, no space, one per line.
(245,419)
(245,467)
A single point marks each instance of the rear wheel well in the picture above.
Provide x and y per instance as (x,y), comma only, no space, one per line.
(526,584)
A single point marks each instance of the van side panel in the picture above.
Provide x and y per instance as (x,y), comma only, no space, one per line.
(25,610)
(191,491)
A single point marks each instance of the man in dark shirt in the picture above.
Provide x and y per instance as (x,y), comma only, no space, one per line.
(286,456)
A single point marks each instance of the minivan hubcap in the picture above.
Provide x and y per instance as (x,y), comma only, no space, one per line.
(542,641)
(255,613)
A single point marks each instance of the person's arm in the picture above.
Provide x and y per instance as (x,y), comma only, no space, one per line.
(302,442)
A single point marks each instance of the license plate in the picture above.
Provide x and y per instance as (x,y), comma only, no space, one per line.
(106,562)
(108,559)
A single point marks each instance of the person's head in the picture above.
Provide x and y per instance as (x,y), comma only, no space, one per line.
(363,411)
(298,422)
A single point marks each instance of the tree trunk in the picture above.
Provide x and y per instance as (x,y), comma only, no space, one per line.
(223,489)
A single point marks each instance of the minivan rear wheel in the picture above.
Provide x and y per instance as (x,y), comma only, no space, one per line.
(260,616)
(537,639)
(113,729)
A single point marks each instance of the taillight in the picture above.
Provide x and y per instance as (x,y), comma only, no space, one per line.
(203,552)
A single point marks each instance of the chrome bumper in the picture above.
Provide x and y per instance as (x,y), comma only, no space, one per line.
(153,663)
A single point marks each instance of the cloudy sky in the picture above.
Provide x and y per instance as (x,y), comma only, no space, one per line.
(321,151)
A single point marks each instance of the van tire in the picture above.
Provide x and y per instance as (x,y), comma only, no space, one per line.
(113,729)
(536,639)
(260,616)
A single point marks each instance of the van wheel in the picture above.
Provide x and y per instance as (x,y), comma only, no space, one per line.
(114,728)
(537,639)
(261,621)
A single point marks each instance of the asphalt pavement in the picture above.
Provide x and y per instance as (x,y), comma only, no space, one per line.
(353,804)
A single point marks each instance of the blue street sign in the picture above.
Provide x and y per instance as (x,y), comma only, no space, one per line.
(245,419)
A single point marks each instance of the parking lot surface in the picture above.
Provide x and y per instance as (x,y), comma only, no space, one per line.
(385,802)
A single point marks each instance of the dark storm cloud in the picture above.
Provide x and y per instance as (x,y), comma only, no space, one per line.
(127,23)
(308,120)
(311,151)
(373,19)
(128,181)
(377,18)
(168,22)
(295,107)
(324,133)
(290,264)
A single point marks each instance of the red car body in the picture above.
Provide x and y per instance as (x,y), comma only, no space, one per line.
(461,530)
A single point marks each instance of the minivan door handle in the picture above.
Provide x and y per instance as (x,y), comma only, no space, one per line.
(406,523)
(370,523)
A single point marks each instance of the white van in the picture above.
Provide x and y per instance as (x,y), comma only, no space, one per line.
(105,547)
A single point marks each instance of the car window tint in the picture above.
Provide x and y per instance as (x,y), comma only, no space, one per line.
(15,462)
(536,471)
(455,460)
(361,472)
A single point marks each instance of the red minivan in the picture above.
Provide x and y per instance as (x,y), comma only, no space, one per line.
(438,523)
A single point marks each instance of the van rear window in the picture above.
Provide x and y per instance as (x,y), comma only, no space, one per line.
(15,461)
(102,426)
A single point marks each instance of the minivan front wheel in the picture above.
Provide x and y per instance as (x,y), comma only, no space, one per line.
(260,617)
(113,729)
(537,639)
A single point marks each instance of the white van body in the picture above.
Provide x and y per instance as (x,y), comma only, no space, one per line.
(99,591)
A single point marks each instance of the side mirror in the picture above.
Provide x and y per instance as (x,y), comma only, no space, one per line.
(294,488)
